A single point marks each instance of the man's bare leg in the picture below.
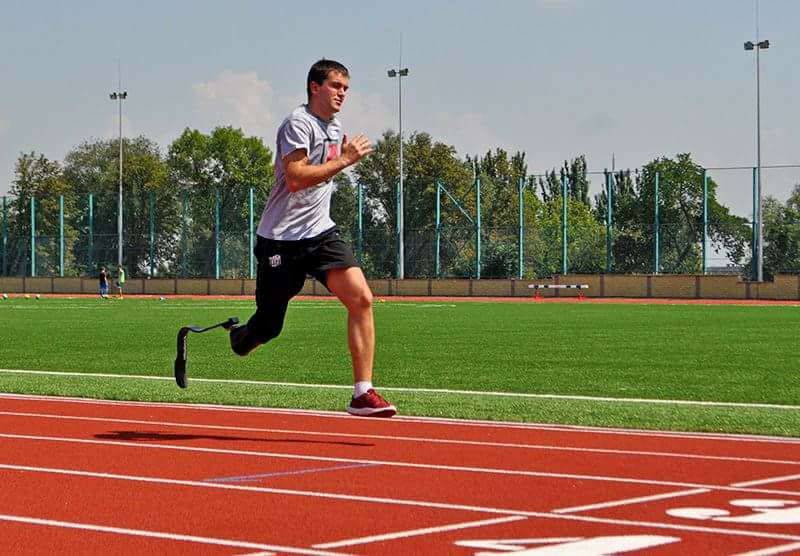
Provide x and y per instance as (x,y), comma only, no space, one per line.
(351,288)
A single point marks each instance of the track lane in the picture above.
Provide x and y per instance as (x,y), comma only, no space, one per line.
(385,450)
(516,492)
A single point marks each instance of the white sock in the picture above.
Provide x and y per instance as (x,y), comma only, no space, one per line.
(361,388)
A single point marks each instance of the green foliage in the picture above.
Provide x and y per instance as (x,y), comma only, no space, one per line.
(227,164)
(782,235)
(93,168)
(680,216)
(37,176)
(425,161)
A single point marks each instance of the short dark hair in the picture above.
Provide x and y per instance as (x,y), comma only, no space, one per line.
(320,70)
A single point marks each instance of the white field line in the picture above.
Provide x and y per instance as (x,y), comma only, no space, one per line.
(157,535)
(472,423)
(767,481)
(401,502)
(628,501)
(429,466)
(401,438)
(782,549)
(423,390)
(420,532)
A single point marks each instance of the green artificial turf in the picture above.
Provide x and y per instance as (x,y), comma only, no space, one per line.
(668,352)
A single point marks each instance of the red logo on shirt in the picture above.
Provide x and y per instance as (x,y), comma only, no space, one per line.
(333,152)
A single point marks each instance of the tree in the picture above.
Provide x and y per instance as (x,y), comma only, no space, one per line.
(680,218)
(227,164)
(37,177)
(782,235)
(585,235)
(425,161)
(93,168)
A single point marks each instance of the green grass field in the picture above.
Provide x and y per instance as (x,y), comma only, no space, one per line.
(740,354)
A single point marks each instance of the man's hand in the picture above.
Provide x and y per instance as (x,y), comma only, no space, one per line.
(355,150)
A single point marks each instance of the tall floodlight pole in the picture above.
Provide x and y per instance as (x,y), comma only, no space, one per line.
(758,46)
(400,74)
(119,95)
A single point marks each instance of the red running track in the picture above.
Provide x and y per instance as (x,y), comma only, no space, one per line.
(88,477)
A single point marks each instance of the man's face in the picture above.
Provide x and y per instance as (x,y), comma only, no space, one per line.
(331,94)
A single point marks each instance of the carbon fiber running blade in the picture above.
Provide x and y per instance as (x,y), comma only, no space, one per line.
(181,356)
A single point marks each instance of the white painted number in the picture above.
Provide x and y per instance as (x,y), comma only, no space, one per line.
(568,546)
(762,511)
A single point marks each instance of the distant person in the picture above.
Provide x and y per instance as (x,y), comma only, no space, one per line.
(120,280)
(103,282)
(296,235)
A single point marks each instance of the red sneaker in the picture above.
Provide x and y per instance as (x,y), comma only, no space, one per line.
(371,404)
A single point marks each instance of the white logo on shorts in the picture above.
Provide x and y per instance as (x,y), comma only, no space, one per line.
(275,260)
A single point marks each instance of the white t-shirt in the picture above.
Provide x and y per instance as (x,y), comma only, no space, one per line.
(305,213)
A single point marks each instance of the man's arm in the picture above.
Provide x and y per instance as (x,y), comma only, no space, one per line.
(302,175)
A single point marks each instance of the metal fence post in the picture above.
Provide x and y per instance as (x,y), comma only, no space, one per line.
(756,215)
(5,237)
(438,268)
(184,246)
(564,226)
(33,236)
(656,227)
(478,228)
(152,254)
(216,234)
(90,257)
(399,229)
(521,232)
(61,235)
(609,221)
(250,235)
(705,221)
(360,223)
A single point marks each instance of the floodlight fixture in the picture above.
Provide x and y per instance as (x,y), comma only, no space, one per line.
(758,46)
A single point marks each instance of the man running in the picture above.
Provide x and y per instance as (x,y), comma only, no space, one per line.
(296,235)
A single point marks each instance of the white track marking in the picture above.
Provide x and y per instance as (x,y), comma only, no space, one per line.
(403,438)
(157,535)
(419,532)
(782,549)
(427,390)
(410,503)
(444,421)
(767,481)
(629,501)
(480,470)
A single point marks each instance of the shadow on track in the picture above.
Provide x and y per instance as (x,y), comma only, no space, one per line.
(162,436)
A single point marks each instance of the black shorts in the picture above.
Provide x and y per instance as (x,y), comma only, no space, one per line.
(282,270)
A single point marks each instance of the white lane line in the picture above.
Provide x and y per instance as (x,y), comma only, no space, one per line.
(767,481)
(444,421)
(429,391)
(158,535)
(402,464)
(410,503)
(629,501)
(419,532)
(400,438)
(782,549)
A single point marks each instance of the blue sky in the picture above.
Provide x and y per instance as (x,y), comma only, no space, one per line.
(553,78)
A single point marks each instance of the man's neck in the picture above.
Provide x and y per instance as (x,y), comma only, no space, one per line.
(319,113)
